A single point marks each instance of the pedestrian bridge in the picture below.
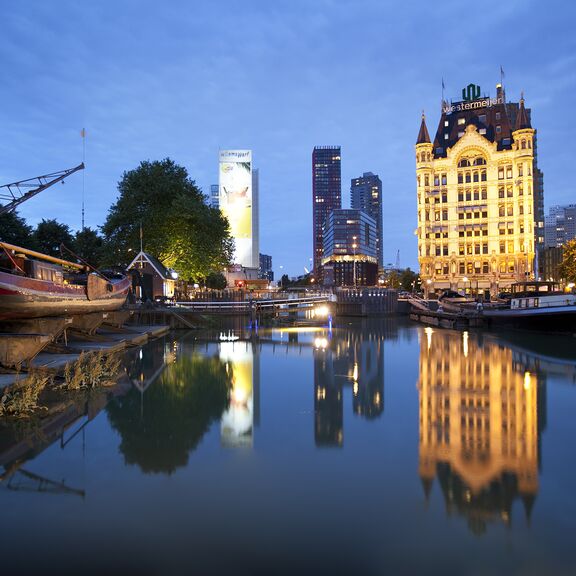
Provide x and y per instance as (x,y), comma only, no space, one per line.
(253,306)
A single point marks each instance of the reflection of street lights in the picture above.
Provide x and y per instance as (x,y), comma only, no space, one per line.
(354,246)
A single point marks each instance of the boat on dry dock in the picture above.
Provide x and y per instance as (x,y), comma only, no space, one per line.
(35,285)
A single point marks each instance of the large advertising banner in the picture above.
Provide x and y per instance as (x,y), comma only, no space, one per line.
(236,200)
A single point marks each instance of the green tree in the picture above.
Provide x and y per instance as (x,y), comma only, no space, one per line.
(48,236)
(393,279)
(567,267)
(88,244)
(14,230)
(216,280)
(408,279)
(178,227)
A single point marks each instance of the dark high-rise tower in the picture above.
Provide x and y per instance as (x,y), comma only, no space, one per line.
(326,193)
(366,195)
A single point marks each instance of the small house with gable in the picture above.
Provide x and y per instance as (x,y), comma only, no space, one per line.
(151,278)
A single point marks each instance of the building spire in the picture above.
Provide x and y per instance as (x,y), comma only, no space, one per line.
(423,136)
(522,120)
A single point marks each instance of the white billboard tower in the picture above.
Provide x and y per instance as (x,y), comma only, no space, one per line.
(239,203)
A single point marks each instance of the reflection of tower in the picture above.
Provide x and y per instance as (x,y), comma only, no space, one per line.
(479,427)
(357,360)
(328,413)
(242,364)
(368,377)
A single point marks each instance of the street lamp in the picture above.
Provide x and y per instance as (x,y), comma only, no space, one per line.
(465,279)
(354,246)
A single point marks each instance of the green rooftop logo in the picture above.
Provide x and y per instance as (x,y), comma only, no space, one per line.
(471,92)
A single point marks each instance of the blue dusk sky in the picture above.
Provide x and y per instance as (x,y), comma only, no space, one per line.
(183,79)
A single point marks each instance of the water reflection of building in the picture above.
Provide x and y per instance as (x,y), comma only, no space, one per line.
(479,426)
(357,360)
(242,360)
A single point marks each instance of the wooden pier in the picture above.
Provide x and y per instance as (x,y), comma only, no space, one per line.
(52,343)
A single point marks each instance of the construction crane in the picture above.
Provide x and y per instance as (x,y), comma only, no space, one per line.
(18,192)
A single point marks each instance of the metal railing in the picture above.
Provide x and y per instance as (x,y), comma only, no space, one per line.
(247,305)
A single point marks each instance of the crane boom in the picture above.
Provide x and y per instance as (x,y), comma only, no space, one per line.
(16,193)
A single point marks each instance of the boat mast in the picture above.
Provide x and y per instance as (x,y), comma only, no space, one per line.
(39,255)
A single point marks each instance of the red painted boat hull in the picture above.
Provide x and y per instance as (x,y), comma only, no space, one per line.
(23,297)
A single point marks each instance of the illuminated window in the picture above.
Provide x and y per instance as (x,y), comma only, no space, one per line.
(461,121)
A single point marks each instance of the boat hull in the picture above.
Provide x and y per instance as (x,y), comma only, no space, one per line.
(23,297)
(556,319)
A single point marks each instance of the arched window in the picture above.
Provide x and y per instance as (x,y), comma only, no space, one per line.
(463,163)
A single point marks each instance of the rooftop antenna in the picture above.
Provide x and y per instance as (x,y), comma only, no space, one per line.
(83,134)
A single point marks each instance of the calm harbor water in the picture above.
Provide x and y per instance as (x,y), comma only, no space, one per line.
(374,447)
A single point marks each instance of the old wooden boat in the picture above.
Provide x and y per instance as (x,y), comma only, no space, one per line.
(35,285)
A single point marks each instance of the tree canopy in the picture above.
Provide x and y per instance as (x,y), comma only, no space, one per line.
(48,236)
(567,267)
(88,244)
(14,230)
(178,227)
